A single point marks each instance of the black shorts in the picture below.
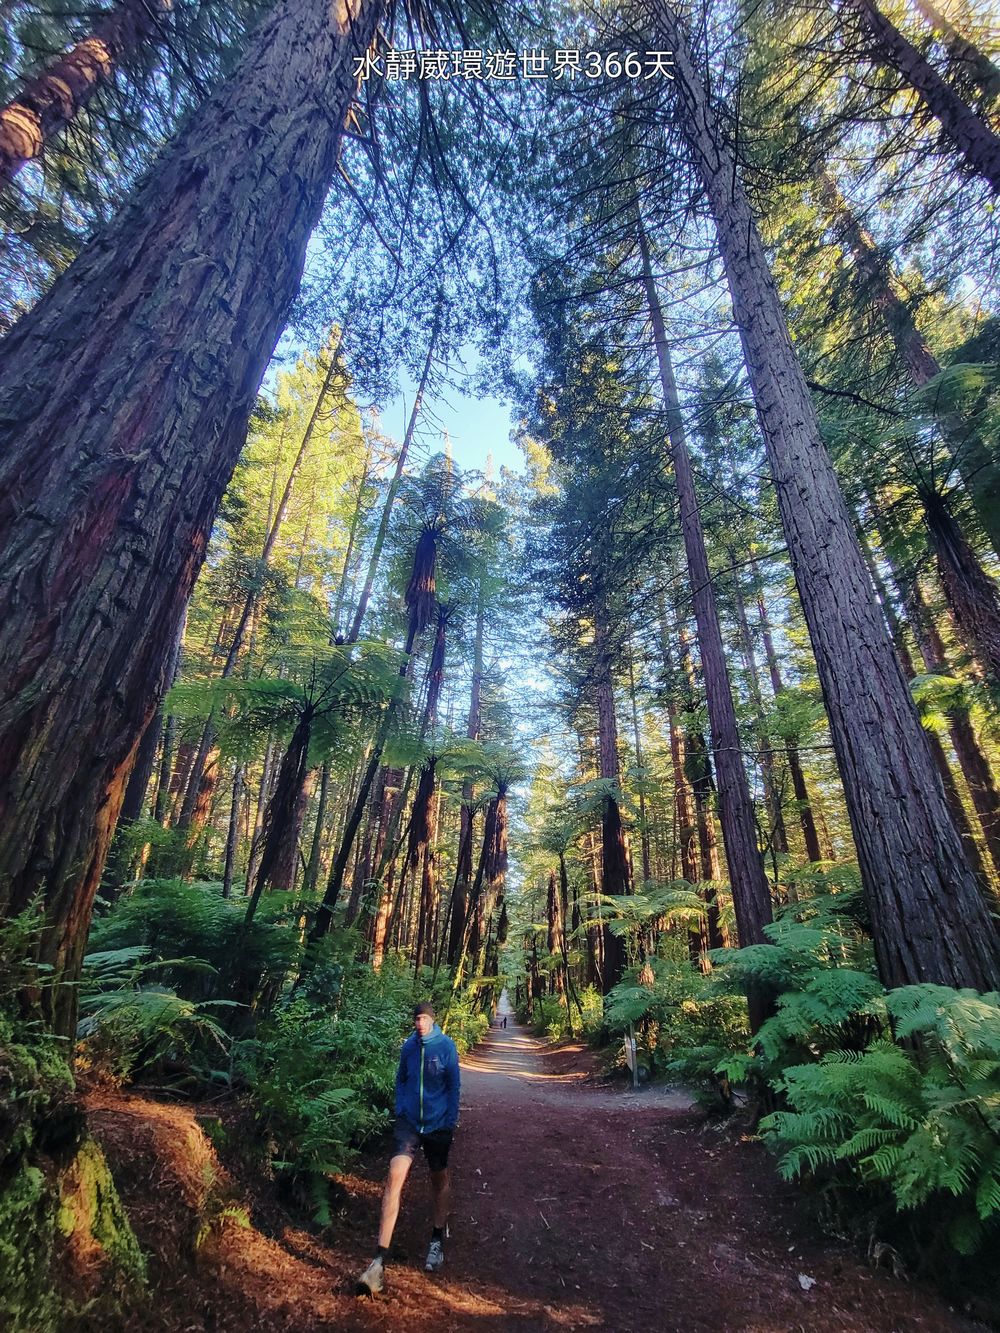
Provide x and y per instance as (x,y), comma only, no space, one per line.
(435,1145)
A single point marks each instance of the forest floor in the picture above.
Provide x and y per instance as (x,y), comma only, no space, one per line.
(574,1206)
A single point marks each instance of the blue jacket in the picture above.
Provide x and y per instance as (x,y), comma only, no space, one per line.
(427,1082)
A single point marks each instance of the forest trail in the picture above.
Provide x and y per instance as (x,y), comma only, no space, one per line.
(574,1207)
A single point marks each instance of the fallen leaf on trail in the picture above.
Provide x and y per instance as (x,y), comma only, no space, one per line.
(806,1282)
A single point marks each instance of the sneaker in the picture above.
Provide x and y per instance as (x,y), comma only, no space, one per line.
(372,1280)
(435,1257)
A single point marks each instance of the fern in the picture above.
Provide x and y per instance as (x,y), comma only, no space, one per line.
(921,1122)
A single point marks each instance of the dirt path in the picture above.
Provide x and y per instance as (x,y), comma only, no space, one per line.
(577,1207)
(574,1207)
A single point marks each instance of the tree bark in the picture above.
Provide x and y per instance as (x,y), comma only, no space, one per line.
(974,459)
(969,753)
(972,762)
(806,820)
(289,858)
(686,821)
(640,775)
(463,870)
(699,766)
(324,916)
(311,877)
(970,134)
(352,540)
(50,100)
(616,869)
(972,595)
(263,795)
(280,817)
(424,952)
(233,835)
(928,917)
(897,632)
(772,788)
(751,895)
(968,59)
(124,398)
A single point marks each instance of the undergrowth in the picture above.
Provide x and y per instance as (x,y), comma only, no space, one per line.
(55,1186)
(177,988)
(885,1102)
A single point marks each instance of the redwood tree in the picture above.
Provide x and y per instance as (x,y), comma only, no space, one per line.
(928,917)
(124,401)
(751,896)
(58,93)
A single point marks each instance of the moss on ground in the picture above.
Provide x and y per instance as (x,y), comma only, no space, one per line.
(65,1239)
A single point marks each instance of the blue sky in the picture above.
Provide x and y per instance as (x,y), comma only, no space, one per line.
(477,428)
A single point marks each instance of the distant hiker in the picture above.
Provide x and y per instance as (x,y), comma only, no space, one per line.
(427,1087)
(505,1020)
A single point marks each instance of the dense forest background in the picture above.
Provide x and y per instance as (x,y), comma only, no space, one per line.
(684,728)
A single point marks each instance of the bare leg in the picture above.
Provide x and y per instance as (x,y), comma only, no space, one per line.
(441,1189)
(399,1169)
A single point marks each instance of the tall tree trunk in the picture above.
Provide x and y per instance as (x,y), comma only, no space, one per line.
(896,630)
(370,847)
(806,820)
(969,61)
(233,835)
(972,762)
(390,498)
(686,821)
(250,603)
(616,869)
(51,99)
(969,753)
(751,895)
(772,789)
(973,596)
(352,540)
(563,943)
(125,398)
(699,766)
(324,916)
(928,917)
(640,773)
(974,458)
(311,877)
(263,796)
(289,858)
(490,871)
(202,811)
(423,825)
(424,952)
(554,933)
(161,805)
(463,869)
(279,818)
(970,134)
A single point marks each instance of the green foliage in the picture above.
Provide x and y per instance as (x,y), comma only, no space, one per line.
(464,1022)
(548,1017)
(47,1195)
(178,922)
(920,1123)
(686,1023)
(322,1082)
(139,1026)
(34,1073)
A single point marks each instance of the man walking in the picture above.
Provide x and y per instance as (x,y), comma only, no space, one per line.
(427,1088)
